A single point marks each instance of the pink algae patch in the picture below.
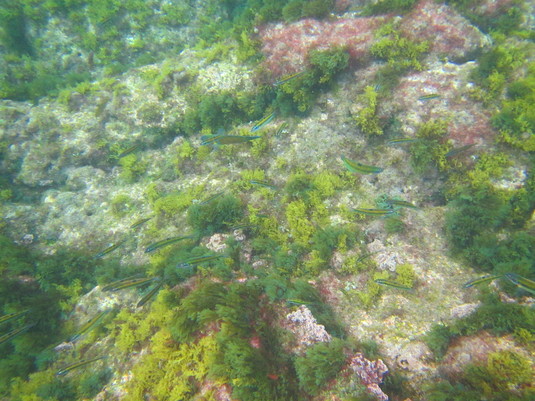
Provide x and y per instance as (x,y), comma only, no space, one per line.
(492,7)
(286,46)
(446,30)
(468,121)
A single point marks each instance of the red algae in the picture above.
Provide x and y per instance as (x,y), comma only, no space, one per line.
(447,31)
(469,121)
(490,8)
(286,46)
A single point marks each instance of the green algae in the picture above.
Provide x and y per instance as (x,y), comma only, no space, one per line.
(504,375)
(320,364)
(212,217)
(298,95)
(405,275)
(431,149)
(389,6)
(366,118)
(314,241)
(397,50)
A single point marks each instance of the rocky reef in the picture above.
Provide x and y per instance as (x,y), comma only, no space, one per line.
(177,221)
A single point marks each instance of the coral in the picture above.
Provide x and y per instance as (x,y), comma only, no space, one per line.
(386,259)
(370,373)
(217,242)
(306,329)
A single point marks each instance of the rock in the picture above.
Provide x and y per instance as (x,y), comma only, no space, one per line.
(468,350)
(217,243)
(447,32)
(414,357)
(286,45)
(307,330)
(385,259)
(370,373)
(468,120)
(464,310)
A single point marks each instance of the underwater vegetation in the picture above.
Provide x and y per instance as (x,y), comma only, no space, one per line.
(112,37)
(224,235)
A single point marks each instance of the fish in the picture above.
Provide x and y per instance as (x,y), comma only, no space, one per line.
(429,96)
(13,333)
(400,141)
(129,150)
(264,121)
(356,167)
(211,198)
(373,212)
(282,127)
(483,279)
(299,302)
(263,184)
(110,286)
(226,139)
(11,316)
(198,260)
(458,150)
(165,242)
(210,139)
(400,203)
(131,283)
(109,249)
(288,78)
(146,298)
(88,325)
(66,369)
(140,222)
(391,283)
(522,282)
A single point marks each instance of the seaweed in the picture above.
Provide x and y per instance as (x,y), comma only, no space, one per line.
(214,216)
(389,6)
(505,375)
(515,120)
(366,118)
(430,149)
(298,95)
(297,9)
(321,363)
